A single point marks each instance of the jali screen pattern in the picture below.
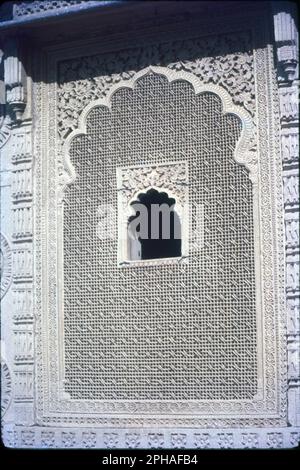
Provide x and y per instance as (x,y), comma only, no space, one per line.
(171,331)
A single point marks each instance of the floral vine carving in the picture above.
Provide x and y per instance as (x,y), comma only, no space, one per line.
(224,59)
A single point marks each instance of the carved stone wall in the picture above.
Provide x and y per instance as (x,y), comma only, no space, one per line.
(287,46)
(232,62)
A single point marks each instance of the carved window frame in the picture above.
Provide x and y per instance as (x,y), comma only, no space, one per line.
(169,177)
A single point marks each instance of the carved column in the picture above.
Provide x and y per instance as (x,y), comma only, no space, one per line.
(286,38)
(21,154)
(19,149)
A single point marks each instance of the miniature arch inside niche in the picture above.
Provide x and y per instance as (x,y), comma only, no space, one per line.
(154,228)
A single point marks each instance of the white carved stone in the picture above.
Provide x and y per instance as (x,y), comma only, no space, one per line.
(293,325)
(23,346)
(292,230)
(72,86)
(6,387)
(15,78)
(6,265)
(22,184)
(290,145)
(286,37)
(289,104)
(291,188)
(4,127)
(170,178)
(21,144)
(292,275)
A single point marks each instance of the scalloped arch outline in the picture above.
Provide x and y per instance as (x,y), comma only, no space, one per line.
(241,152)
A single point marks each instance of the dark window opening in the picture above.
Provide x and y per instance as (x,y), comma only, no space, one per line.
(160,237)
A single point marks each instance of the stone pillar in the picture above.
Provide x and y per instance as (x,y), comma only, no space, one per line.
(286,39)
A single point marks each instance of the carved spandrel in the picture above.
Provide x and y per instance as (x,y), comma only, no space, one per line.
(215,63)
(22,304)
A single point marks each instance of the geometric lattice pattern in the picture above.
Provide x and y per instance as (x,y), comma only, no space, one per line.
(179,331)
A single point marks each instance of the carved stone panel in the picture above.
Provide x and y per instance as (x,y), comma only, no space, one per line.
(88,170)
(6,265)
(197,351)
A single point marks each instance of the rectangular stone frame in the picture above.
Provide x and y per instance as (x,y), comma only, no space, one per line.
(55,402)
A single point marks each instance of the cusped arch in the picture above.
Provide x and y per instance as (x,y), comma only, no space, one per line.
(242,153)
